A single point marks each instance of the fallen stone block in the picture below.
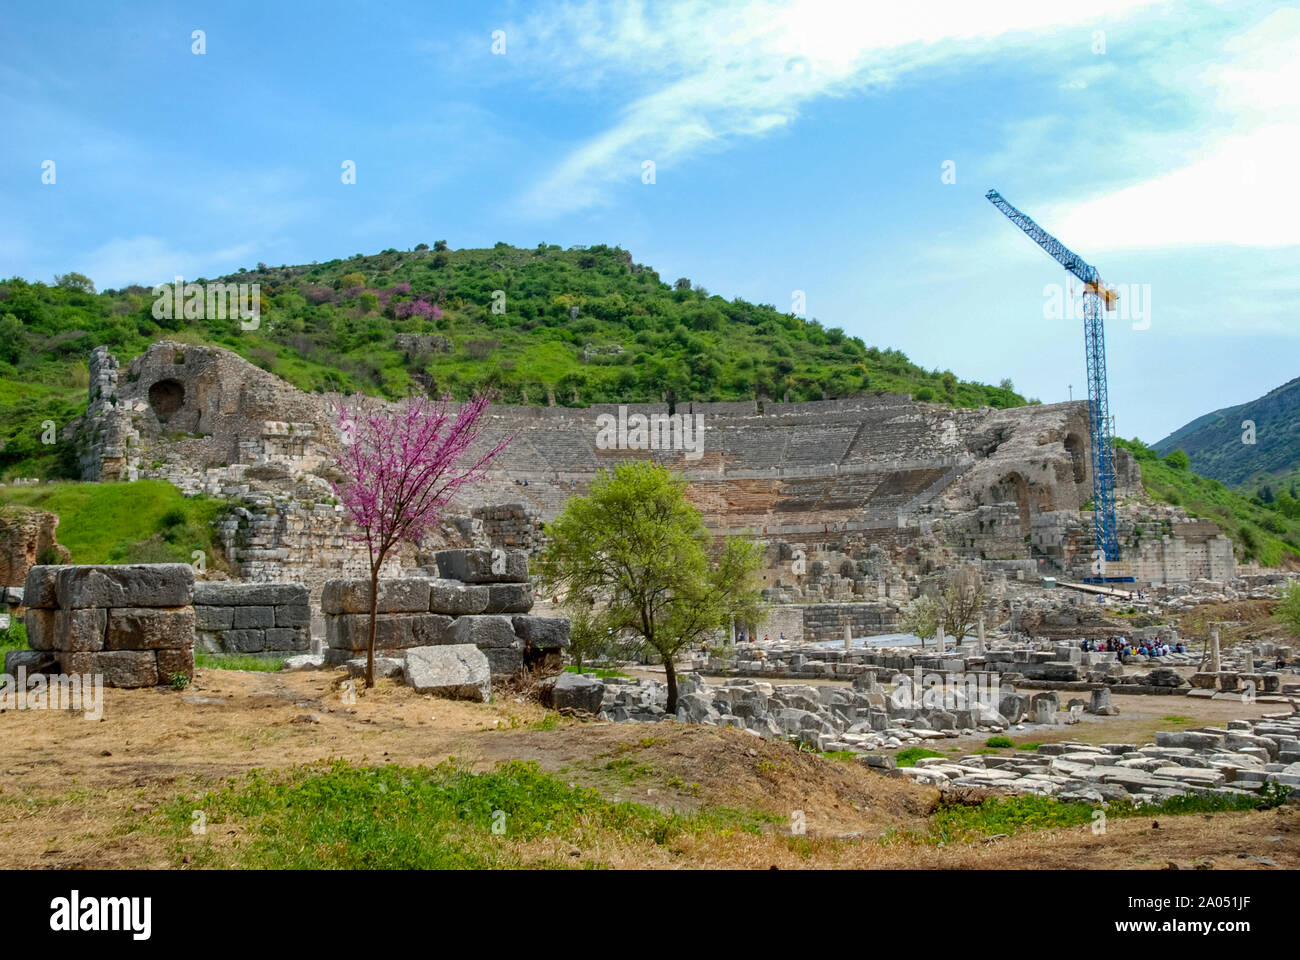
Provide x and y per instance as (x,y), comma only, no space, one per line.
(385,667)
(542,633)
(455,671)
(573,691)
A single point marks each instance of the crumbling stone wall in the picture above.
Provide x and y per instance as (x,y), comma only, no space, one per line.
(132,624)
(262,618)
(479,597)
(27,537)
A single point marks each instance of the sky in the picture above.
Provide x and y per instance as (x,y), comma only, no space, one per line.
(759,148)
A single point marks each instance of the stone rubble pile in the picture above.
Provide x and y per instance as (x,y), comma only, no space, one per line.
(1239,758)
(131,624)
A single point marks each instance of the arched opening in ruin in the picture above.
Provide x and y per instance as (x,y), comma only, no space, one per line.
(1074,446)
(166,397)
(1013,487)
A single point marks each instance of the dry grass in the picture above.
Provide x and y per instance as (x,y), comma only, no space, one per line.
(81,793)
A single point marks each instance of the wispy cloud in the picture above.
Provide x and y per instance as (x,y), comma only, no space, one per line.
(703,77)
(1240,187)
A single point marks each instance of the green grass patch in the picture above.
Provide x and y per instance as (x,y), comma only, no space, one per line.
(1175,718)
(999,742)
(148,521)
(1028,745)
(1008,815)
(908,757)
(600,673)
(340,816)
(237,661)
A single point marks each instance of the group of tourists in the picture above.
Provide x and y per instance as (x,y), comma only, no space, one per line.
(1121,645)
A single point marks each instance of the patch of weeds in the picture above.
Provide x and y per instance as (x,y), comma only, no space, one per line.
(999,742)
(340,816)
(1175,718)
(1030,745)
(908,757)
(237,661)
(838,755)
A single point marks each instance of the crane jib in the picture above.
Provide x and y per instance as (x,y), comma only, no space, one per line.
(1097,299)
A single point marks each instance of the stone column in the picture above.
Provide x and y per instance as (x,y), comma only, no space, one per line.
(939,638)
(848,637)
(980,646)
(1214,651)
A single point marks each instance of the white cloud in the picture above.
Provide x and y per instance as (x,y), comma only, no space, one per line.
(1242,187)
(703,75)
(148,260)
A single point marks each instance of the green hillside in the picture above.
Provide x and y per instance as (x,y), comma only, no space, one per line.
(578,326)
(1214,442)
(1266,532)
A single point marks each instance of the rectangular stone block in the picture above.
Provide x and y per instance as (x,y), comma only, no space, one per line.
(119,668)
(172,662)
(456,598)
(128,585)
(484,632)
(213,618)
(293,615)
(221,594)
(540,633)
(509,598)
(288,638)
(80,631)
(504,660)
(39,590)
(40,628)
(403,595)
(146,628)
(393,631)
(244,641)
(253,618)
(483,566)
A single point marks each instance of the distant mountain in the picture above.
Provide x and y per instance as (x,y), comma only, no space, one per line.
(1214,442)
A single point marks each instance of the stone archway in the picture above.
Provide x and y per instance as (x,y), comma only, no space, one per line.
(1078,451)
(1014,487)
(166,397)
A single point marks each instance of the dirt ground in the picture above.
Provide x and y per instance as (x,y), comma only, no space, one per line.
(76,792)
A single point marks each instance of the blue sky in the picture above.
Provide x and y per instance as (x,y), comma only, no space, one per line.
(797,146)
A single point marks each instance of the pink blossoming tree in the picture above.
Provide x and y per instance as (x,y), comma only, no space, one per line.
(400,470)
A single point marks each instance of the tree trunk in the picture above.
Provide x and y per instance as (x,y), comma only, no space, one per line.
(670,671)
(370,645)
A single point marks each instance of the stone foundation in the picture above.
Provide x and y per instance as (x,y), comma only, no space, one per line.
(262,618)
(484,604)
(133,624)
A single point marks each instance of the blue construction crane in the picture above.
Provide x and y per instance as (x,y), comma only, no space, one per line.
(1094,338)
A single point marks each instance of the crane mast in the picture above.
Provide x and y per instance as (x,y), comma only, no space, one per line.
(1094,340)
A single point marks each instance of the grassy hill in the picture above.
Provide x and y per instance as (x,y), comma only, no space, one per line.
(1215,447)
(148,521)
(1265,532)
(536,326)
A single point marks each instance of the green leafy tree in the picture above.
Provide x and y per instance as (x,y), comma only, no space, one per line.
(1288,611)
(637,547)
(1178,459)
(13,338)
(74,281)
(922,617)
